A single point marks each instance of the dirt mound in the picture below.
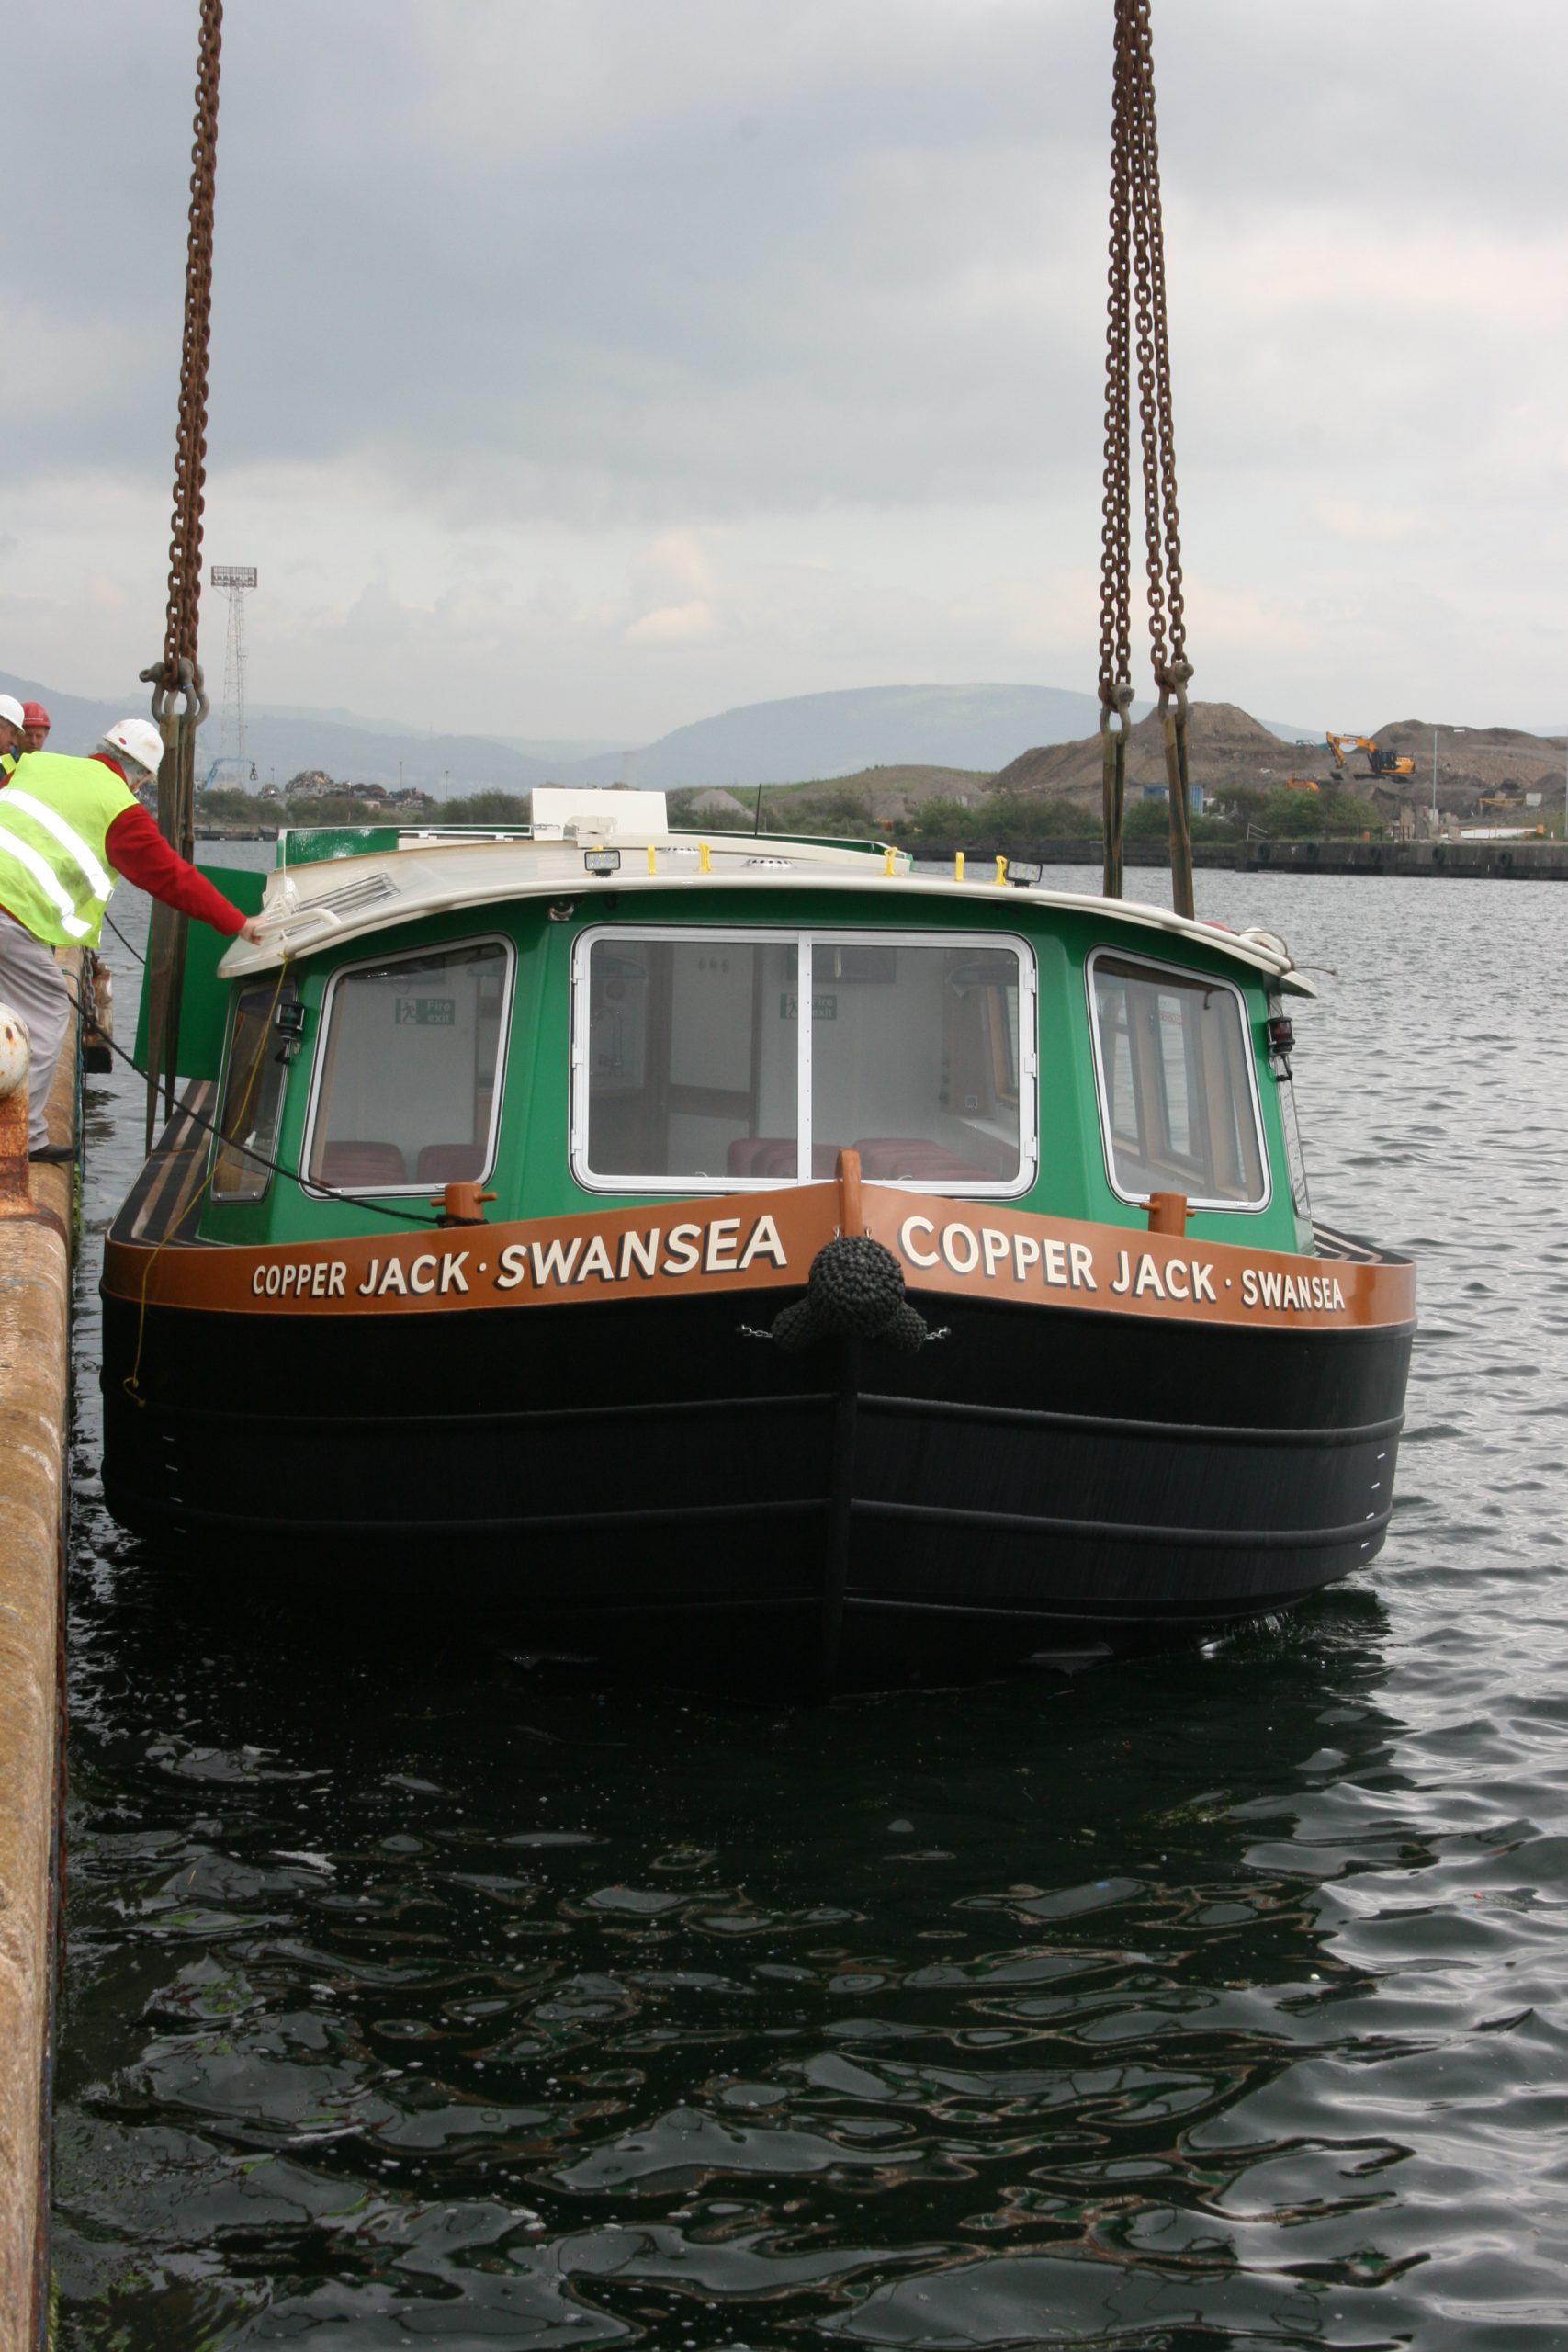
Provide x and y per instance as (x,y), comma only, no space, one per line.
(1476,763)
(1226,749)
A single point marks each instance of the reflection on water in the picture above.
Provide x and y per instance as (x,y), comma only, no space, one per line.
(419,1995)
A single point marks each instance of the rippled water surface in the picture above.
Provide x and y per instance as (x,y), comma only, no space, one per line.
(416,1997)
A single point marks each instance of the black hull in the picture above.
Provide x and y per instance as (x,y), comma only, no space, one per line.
(643,1484)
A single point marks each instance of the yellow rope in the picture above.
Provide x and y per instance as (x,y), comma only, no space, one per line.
(131,1383)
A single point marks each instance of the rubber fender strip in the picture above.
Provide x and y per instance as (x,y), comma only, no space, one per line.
(183,1514)
(1102,1531)
(1089,1612)
(1090,1424)
(525,1416)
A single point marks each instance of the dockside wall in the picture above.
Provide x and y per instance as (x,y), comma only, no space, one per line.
(1436,861)
(35,1367)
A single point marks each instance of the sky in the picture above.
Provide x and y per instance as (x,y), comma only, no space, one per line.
(580,368)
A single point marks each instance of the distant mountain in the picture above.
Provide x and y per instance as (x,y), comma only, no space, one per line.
(282,742)
(791,741)
(800,740)
(812,736)
(560,749)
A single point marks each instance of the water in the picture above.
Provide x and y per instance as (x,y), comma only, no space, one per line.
(1218,2000)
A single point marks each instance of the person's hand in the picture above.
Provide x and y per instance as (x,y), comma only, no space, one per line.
(251,930)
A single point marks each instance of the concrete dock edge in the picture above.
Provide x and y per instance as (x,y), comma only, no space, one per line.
(35,1387)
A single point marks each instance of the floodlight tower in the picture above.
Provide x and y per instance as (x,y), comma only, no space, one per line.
(236,579)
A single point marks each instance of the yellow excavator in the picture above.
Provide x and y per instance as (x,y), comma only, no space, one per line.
(1379,762)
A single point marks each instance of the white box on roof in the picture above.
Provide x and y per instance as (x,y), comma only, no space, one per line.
(561,813)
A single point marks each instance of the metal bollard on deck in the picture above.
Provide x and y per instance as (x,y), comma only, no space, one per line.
(16,1058)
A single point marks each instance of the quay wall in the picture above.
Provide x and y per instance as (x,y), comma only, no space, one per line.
(35,1365)
(1437,861)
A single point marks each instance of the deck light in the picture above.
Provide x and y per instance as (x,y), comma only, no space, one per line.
(1021,876)
(289,1019)
(1281,1037)
(602,861)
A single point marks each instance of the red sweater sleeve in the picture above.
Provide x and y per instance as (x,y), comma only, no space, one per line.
(138,850)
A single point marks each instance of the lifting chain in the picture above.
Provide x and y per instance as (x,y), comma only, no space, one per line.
(180,670)
(1137,302)
(179,700)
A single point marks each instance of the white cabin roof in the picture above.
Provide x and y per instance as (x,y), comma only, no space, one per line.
(323,904)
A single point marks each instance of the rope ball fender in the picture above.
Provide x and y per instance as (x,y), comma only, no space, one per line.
(854,1290)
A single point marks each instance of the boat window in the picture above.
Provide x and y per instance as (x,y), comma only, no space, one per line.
(1179,1104)
(730,1061)
(692,1058)
(408,1089)
(253,1093)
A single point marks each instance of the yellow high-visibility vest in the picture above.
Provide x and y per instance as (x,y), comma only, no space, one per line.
(55,814)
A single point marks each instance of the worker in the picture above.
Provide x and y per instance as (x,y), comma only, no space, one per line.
(36,725)
(13,728)
(67,827)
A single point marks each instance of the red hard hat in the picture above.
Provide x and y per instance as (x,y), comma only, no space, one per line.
(35,715)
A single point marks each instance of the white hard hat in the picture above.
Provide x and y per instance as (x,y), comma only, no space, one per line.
(11,711)
(138,739)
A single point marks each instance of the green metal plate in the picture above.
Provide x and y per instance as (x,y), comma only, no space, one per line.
(204,1000)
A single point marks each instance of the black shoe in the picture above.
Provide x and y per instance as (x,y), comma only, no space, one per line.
(53,1151)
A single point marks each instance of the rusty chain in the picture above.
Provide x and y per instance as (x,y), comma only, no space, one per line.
(179,699)
(1115,618)
(180,670)
(1138,353)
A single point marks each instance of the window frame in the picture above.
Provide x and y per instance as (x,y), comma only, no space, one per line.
(424,1188)
(1193,977)
(220,1142)
(801,937)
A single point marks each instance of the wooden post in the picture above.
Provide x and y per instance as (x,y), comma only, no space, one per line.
(852,1215)
(462,1203)
(15,1178)
(15,1181)
(1167,1213)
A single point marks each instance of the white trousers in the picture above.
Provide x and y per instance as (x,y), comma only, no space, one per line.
(33,985)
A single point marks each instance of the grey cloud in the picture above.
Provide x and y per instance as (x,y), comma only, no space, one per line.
(487,266)
(592,258)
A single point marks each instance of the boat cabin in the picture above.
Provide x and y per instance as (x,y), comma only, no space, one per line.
(605,1011)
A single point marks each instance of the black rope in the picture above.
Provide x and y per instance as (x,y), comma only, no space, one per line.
(248,1151)
(126,945)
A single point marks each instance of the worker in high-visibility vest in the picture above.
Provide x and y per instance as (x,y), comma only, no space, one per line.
(68,829)
(13,733)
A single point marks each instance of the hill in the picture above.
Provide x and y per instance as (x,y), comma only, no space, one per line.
(1476,763)
(825,736)
(1226,749)
(836,735)
(285,741)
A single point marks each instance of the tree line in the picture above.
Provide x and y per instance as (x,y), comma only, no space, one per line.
(999,824)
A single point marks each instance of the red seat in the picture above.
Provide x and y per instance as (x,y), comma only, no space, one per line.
(450,1163)
(778,1156)
(361,1167)
(915,1160)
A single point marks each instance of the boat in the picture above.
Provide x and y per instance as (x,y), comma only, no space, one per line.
(739,1256)
(742,1255)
